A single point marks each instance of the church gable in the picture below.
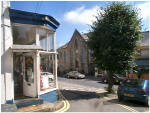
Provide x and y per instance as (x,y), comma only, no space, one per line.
(76,40)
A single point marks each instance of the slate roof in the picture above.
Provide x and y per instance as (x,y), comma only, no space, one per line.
(23,17)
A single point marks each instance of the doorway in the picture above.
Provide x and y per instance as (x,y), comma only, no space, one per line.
(24,76)
(18,75)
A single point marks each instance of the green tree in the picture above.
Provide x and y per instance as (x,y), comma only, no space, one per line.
(114,38)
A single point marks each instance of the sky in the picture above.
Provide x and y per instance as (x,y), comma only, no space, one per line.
(76,14)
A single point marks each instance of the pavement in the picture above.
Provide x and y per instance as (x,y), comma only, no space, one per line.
(45,107)
(58,106)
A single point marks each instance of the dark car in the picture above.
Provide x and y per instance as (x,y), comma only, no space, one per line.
(134,89)
(116,77)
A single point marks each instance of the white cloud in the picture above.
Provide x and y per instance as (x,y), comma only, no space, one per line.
(82,15)
(144,10)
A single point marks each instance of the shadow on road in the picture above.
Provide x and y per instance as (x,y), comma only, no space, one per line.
(130,103)
(62,76)
(78,95)
(93,78)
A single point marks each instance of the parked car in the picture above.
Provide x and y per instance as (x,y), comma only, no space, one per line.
(119,78)
(50,75)
(75,74)
(104,77)
(134,89)
(116,77)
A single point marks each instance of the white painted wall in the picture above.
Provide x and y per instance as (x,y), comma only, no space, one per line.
(7,86)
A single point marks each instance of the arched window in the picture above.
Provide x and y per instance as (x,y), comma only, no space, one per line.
(76,43)
(64,57)
(70,56)
(82,55)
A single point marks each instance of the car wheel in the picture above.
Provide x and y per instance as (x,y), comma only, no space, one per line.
(105,81)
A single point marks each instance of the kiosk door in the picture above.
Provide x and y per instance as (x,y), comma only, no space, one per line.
(29,83)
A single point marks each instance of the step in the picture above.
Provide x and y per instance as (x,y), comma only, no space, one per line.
(8,108)
(28,102)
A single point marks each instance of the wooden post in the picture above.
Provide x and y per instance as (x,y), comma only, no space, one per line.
(56,69)
(38,72)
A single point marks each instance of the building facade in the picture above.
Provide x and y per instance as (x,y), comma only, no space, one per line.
(28,47)
(75,55)
(142,59)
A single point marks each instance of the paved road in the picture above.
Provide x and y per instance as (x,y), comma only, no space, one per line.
(87,95)
(89,81)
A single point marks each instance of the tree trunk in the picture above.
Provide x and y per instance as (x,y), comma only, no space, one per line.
(110,82)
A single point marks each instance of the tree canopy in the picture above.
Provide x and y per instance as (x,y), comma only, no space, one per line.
(114,37)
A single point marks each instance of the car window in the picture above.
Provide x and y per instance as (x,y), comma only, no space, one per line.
(134,82)
(75,72)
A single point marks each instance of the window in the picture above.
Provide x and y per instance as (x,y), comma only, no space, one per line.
(58,57)
(82,55)
(47,68)
(76,44)
(51,42)
(144,52)
(43,43)
(134,82)
(46,43)
(23,35)
(29,76)
(26,35)
(76,64)
(64,57)
(70,56)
